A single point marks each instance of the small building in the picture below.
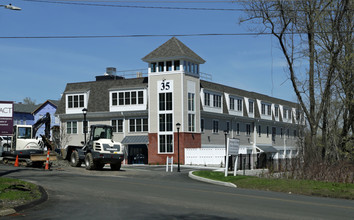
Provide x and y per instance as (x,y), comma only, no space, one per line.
(145,111)
(49,106)
(23,114)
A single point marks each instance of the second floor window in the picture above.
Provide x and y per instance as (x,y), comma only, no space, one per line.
(232,103)
(206,99)
(128,98)
(250,103)
(217,101)
(138,125)
(76,101)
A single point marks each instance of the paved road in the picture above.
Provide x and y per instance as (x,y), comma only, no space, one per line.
(143,192)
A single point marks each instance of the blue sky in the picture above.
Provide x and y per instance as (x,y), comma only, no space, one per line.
(41,68)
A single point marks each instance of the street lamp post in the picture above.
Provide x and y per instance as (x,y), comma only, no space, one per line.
(225,133)
(84,111)
(178,125)
(11,7)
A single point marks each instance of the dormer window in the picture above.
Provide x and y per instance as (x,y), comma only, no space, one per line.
(76,102)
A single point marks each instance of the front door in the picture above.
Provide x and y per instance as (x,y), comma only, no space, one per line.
(137,154)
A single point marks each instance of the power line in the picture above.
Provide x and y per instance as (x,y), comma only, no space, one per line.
(152,35)
(138,6)
(81,3)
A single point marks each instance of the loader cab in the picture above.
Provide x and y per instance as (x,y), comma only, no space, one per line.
(101,132)
(22,138)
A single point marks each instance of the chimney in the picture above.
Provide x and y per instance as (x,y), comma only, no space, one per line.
(139,74)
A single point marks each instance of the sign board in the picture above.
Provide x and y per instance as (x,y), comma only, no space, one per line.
(6,118)
(234,146)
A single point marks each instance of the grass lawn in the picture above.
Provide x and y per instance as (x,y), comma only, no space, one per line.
(304,187)
(14,192)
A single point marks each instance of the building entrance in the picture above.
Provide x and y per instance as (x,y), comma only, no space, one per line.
(137,154)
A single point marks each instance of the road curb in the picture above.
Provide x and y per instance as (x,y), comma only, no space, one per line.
(44,197)
(10,211)
(202,179)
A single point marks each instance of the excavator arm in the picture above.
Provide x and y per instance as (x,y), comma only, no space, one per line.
(44,120)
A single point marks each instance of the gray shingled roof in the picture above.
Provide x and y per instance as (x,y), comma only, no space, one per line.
(25,108)
(99,92)
(172,49)
(253,95)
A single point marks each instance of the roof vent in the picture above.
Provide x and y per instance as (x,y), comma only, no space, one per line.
(110,71)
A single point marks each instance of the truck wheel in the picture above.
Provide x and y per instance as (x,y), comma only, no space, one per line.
(74,159)
(90,165)
(116,166)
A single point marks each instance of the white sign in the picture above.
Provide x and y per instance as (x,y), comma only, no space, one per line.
(165,86)
(234,145)
(6,110)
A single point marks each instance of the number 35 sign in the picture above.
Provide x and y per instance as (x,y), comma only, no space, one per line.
(165,86)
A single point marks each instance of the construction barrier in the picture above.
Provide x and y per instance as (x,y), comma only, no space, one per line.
(47,161)
(16,161)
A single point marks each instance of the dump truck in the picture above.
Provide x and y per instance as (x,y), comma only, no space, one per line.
(27,147)
(100,149)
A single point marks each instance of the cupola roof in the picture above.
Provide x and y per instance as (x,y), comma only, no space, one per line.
(173,49)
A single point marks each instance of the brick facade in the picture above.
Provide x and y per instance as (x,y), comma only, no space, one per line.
(186,140)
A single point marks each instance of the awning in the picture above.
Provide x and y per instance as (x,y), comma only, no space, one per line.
(135,140)
(267,148)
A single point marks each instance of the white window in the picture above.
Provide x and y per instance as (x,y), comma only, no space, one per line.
(248,129)
(250,103)
(238,128)
(191,101)
(276,111)
(135,97)
(138,125)
(117,125)
(206,99)
(263,109)
(274,133)
(232,104)
(217,101)
(165,122)
(215,126)
(165,142)
(75,101)
(165,101)
(239,104)
(228,126)
(191,122)
(71,127)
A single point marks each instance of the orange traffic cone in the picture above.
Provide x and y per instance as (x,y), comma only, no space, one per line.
(16,161)
(47,162)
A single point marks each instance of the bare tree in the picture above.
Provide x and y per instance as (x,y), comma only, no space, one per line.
(29,101)
(311,30)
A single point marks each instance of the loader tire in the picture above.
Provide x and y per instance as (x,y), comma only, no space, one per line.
(90,165)
(74,159)
(116,166)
